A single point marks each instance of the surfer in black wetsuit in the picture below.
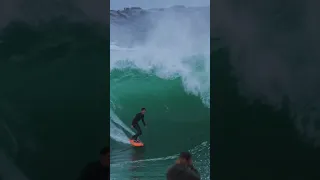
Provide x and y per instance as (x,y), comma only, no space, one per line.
(135,123)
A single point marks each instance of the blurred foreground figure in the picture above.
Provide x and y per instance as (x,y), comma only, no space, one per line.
(183,169)
(99,170)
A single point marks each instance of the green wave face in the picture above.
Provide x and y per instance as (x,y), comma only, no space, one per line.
(178,120)
(159,60)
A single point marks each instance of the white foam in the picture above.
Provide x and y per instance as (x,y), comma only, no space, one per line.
(173,48)
(117,133)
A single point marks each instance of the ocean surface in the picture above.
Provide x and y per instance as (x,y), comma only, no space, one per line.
(52,98)
(159,60)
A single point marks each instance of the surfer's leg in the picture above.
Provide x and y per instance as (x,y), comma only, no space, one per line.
(139,132)
(136,127)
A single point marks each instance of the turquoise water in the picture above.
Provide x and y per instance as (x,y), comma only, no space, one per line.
(177,121)
(159,60)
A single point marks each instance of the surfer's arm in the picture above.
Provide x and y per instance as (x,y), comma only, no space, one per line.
(144,123)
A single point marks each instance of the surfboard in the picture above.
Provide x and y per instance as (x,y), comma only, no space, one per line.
(136,144)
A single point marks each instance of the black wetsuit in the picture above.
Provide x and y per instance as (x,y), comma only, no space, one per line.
(182,172)
(95,171)
(135,124)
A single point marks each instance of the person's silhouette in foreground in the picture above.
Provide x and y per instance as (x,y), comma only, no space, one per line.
(183,169)
(99,170)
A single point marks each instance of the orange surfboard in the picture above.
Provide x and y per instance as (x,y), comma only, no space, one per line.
(136,144)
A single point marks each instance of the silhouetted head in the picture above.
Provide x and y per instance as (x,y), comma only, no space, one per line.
(185,158)
(143,110)
(105,156)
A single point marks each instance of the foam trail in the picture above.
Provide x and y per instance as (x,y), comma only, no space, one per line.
(117,133)
(116,120)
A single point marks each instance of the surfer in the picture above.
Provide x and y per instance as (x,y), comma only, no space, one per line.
(135,123)
(183,169)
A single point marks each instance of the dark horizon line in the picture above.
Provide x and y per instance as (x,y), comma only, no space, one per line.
(182,6)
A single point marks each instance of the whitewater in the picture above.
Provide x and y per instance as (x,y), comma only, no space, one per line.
(172,53)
